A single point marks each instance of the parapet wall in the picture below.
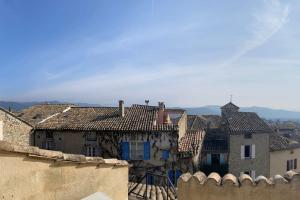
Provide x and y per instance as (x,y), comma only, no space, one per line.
(214,187)
(31,173)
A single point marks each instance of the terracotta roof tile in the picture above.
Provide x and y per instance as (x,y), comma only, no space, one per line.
(241,122)
(137,118)
(190,140)
(37,113)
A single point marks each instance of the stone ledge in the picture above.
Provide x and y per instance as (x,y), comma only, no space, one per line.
(57,155)
(244,180)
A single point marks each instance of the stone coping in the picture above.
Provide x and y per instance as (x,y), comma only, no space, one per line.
(230,180)
(58,156)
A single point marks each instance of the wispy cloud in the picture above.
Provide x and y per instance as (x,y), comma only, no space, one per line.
(267,22)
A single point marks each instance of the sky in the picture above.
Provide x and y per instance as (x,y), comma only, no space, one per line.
(186,53)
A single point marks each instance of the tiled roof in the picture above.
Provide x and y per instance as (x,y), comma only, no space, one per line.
(190,141)
(278,143)
(195,122)
(37,113)
(137,118)
(152,192)
(230,105)
(214,121)
(241,122)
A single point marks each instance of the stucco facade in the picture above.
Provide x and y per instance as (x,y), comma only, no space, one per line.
(32,174)
(278,160)
(261,161)
(13,129)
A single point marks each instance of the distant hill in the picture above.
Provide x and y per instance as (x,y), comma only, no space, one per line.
(266,113)
(17,106)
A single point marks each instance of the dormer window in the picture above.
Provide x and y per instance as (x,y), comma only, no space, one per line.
(248,135)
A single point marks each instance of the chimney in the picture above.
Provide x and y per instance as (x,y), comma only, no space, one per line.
(121,108)
(147,102)
(161,112)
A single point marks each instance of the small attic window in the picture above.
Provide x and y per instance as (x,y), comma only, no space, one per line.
(37,116)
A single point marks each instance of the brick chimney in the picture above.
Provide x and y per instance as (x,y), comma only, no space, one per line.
(161,112)
(121,108)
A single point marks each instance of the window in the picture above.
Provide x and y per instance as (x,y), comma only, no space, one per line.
(49,144)
(91,151)
(215,159)
(247,172)
(291,164)
(248,135)
(1,131)
(247,151)
(136,150)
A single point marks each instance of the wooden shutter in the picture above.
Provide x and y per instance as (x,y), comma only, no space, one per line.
(242,152)
(125,150)
(208,157)
(1,131)
(253,151)
(147,151)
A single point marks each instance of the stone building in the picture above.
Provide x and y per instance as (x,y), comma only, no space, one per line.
(284,154)
(146,136)
(248,137)
(14,129)
(243,143)
(232,141)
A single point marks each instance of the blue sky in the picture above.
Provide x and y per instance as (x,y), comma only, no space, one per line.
(186,53)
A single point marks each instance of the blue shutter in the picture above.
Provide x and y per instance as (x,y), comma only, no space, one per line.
(146,150)
(178,174)
(222,159)
(166,154)
(171,176)
(125,150)
(149,179)
(208,158)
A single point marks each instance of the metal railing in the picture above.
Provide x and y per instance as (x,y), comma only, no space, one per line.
(166,184)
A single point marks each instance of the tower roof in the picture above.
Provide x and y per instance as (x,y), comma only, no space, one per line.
(230,105)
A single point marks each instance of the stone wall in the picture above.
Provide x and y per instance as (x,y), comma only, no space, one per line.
(30,173)
(108,145)
(213,187)
(278,160)
(13,129)
(260,164)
